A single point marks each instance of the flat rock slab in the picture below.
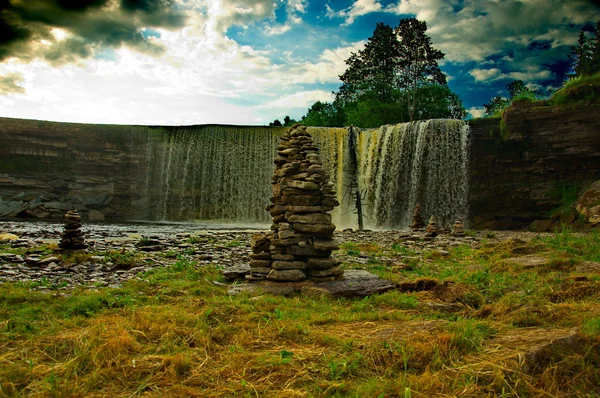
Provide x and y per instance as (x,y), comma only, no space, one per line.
(354,283)
(531,261)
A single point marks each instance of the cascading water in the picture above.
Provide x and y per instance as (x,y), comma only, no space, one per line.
(223,173)
(423,162)
(210,173)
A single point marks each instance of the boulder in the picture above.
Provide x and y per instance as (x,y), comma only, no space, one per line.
(588,204)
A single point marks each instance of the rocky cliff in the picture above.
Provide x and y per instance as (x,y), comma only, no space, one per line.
(520,167)
(47,168)
(531,162)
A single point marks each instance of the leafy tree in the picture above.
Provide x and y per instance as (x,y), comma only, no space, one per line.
(418,65)
(370,111)
(586,55)
(287,121)
(325,114)
(373,68)
(438,101)
(275,123)
(516,90)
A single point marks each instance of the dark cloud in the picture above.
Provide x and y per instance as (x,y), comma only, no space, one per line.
(91,24)
(10,83)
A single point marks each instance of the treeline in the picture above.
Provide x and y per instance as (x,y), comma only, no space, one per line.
(394,79)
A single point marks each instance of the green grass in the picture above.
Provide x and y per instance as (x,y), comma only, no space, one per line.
(172,332)
(578,90)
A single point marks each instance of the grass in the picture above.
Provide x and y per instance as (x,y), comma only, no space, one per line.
(578,90)
(172,332)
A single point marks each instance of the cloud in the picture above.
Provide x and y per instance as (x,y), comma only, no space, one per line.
(476,112)
(357,9)
(9,83)
(299,100)
(87,26)
(482,75)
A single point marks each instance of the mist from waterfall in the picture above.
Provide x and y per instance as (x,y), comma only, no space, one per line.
(223,173)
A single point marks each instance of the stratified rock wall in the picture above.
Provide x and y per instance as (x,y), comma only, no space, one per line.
(48,168)
(518,178)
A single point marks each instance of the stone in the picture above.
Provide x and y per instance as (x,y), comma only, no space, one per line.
(72,237)
(236,272)
(325,244)
(458,229)
(541,225)
(7,237)
(95,215)
(323,230)
(281,265)
(302,198)
(333,271)
(322,263)
(417,222)
(303,185)
(313,218)
(293,275)
(432,230)
(260,263)
(260,256)
(588,205)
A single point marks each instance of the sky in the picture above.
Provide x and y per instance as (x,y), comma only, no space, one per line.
(248,62)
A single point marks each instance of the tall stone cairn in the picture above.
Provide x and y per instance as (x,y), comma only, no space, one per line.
(417,222)
(300,242)
(72,237)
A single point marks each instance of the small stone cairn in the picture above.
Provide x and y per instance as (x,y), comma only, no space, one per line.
(417,223)
(458,228)
(432,230)
(72,237)
(300,242)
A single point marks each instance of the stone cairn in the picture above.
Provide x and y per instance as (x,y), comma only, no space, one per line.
(458,228)
(300,242)
(417,224)
(432,230)
(72,237)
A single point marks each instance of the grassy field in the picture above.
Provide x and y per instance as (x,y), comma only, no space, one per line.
(461,323)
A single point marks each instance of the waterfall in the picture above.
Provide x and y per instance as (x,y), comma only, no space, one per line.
(423,162)
(223,173)
(208,173)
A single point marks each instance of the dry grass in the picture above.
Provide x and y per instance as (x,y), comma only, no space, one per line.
(176,334)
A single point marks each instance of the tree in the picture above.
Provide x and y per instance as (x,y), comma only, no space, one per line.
(438,101)
(417,66)
(586,55)
(275,123)
(372,70)
(516,90)
(325,114)
(287,121)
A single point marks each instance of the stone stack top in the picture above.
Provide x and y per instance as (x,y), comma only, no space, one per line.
(300,243)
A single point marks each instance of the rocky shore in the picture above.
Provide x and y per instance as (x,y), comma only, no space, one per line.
(118,253)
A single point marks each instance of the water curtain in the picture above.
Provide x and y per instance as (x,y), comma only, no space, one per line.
(223,173)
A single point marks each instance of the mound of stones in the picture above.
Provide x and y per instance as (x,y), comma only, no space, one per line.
(72,237)
(300,242)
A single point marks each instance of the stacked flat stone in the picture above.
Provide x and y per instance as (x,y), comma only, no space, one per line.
(458,228)
(300,242)
(432,230)
(72,237)
(417,222)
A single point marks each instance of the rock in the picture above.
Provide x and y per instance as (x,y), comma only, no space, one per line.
(432,230)
(354,283)
(236,272)
(95,215)
(292,275)
(6,237)
(300,204)
(417,222)
(323,263)
(541,225)
(458,229)
(282,265)
(314,218)
(72,237)
(588,204)
(315,229)
(538,357)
